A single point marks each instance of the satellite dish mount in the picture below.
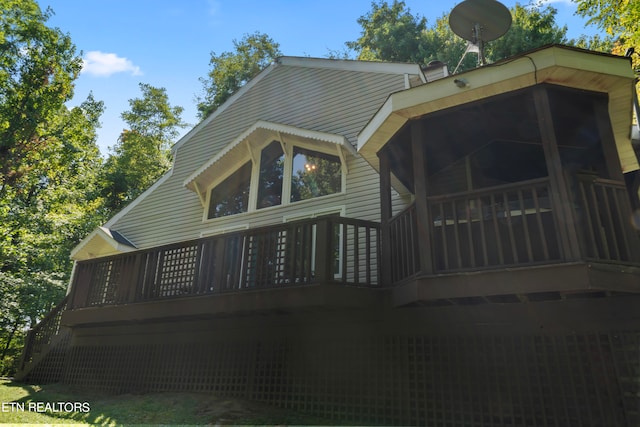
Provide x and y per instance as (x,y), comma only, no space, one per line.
(478,22)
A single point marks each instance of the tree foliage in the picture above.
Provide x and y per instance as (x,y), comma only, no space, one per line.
(37,67)
(231,70)
(143,152)
(390,32)
(620,19)
(531,28)
(48,166)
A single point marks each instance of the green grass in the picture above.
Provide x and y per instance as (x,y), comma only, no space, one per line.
(153,408)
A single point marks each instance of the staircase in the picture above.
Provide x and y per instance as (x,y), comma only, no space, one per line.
(44,345)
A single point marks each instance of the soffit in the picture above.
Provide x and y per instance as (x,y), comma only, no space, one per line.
(101,242)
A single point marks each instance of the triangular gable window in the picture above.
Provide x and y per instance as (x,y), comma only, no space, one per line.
(231,196)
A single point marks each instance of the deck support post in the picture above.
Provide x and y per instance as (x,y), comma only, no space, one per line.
(385,217)
(561,198)
(131,274)
(324,243)
(424,222)
(80,286)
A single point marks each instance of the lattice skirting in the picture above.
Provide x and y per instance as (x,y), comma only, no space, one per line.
(376,376)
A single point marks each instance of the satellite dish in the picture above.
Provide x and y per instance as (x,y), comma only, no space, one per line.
(479,21)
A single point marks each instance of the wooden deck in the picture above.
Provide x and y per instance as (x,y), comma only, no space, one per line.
(329,250)
(499,230)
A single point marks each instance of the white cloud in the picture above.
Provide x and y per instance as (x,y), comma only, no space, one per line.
(103,64)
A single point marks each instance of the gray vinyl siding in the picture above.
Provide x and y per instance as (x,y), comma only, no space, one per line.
(327,100)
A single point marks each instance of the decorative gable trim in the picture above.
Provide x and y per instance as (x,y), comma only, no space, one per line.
(243,147)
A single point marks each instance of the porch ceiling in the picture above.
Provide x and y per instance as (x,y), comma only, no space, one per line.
(558,65)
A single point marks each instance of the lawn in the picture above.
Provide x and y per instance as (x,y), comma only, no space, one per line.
(48,404)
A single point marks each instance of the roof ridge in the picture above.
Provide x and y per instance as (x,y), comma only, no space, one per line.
(350,64)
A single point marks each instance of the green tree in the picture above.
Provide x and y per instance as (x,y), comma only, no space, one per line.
(392,33)
(619,18)
(43,215)
(231,70)
(143,152)
(531,28)
(48,155)
(48,166)
(37,67)
(53,205)
(621,21)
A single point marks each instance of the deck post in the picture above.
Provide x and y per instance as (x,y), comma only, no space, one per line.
(385,217)
(562,201)
(324,244)
(219,273)
(126,291)
(81,282)
(424,223)
(607,140)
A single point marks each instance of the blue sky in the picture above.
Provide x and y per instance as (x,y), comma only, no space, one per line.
(167,43)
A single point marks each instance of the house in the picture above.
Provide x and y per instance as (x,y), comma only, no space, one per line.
(380,243)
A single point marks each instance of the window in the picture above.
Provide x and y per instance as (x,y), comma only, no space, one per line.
(314,174)
(271,174)
(280,175)
(231,196)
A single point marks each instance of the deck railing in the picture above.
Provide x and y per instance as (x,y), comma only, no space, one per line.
(321,250)
(403,236)
(42,333)
(514,225)
(603,214)
(499,226)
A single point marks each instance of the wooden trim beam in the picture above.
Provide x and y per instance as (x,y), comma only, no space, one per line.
(565,278)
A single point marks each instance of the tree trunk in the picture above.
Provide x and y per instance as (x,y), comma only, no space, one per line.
(8,343)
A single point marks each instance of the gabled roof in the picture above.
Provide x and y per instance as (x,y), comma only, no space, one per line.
(102,242)
(560,65)
(306,62)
